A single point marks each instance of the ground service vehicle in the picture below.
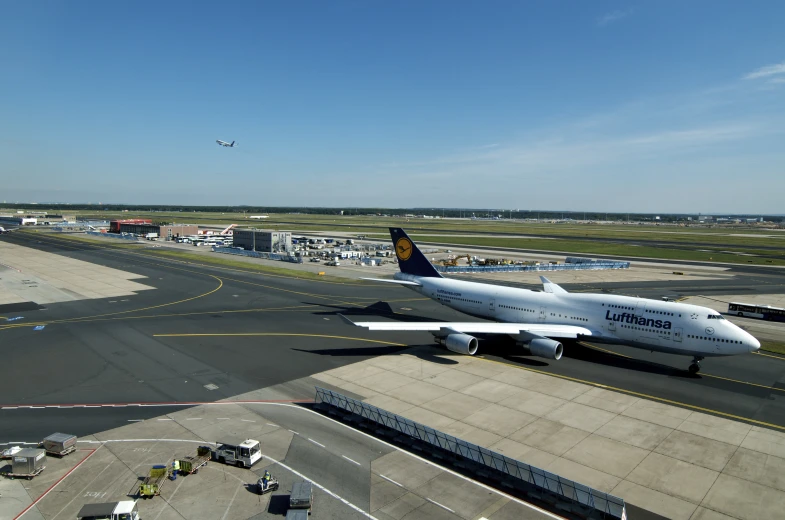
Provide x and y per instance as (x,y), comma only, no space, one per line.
(151,486)
(272,485)
(762,312)
(189,465)
(124,510)
(242,454)
(59,444)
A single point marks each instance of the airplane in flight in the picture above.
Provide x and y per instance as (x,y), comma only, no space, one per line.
(224,143)
(537,320)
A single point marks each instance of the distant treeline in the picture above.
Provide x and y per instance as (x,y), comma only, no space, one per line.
(391,212)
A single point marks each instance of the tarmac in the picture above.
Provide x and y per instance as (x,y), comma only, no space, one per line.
(207,334)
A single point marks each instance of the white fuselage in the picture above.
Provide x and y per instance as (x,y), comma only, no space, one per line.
(671,327)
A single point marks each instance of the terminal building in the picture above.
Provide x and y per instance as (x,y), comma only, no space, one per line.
(263,241)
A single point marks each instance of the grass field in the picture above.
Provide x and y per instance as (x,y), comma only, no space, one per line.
(773,346)
(603,249)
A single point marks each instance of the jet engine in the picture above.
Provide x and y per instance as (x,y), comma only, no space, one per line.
(544,348)
(460,343)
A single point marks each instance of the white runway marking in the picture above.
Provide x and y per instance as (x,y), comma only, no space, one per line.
(317,443)
(350,460)
(440,505)
(356,508)
(391,480)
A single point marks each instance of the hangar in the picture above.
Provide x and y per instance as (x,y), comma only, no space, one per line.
(263,241)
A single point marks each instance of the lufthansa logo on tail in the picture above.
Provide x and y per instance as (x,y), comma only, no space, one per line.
(403,249)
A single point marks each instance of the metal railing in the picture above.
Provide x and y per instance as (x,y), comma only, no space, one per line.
(257,254)
(604,504)
(542,267)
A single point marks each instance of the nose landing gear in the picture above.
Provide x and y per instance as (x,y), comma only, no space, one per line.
(695,367)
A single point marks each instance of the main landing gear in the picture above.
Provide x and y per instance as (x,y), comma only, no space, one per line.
(695,367)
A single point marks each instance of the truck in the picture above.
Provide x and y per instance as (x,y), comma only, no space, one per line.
(241,453)
(151,236)
(59,444)
(123,510)
(190,465)
(153,482)
(300,500)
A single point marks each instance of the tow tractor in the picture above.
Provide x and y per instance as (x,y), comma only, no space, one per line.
(191,465)
(272,484)
(241,453)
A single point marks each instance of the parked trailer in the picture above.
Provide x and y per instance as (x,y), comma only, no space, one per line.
(27,463)
(189,465)
(302,496)
(151,486)
(59,444)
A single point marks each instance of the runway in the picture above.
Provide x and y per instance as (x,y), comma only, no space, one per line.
(267,330)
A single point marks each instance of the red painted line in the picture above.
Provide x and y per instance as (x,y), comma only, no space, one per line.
(172,403)
(28,508)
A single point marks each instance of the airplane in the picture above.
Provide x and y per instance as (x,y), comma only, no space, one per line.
(537,320)
(224,143)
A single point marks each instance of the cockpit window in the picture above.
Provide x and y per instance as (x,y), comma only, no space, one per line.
(716,317)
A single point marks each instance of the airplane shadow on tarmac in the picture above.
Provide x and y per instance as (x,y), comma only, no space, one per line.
(380,308)
(424,352)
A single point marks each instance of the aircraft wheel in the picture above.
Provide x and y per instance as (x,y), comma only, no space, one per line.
(694,368)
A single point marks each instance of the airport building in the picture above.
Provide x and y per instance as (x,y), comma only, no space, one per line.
(114,225)
(263,241)
(166,232)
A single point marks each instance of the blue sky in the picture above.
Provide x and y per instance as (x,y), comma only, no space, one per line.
(608,106)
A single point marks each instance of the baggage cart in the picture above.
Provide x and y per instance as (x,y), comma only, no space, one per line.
(59,444)
(189,465)
(151,486)
(301,496)
(27,463)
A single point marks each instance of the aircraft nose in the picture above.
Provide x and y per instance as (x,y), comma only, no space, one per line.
(754,344)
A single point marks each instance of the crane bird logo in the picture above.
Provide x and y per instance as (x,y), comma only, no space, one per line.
(403,249)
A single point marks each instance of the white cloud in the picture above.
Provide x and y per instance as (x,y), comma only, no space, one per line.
(768,70)
(776,81)
(613,16)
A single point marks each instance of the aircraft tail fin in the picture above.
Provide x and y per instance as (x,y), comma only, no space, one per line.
(232,143)
(410,259)
(550,287)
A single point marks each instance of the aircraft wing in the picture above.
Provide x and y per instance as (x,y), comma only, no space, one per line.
(387,280)
(538,329)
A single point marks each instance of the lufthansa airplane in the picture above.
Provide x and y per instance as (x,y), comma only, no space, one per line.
(224,143)
(537,320)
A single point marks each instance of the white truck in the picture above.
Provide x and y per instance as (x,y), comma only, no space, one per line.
(151,236)
(124,510)
(238,452)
